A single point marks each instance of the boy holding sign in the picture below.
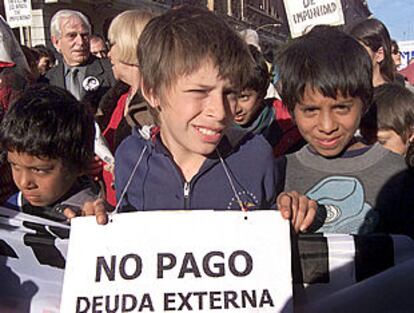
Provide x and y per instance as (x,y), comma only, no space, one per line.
(192,66)
(359,187)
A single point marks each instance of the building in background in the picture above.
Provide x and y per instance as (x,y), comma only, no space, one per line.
(267,17)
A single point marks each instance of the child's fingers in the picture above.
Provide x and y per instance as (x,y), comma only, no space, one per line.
(69,213)
(97,208)
(286,204)
(310,216)
(301,212)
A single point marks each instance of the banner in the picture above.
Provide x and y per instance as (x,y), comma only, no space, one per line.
(18,12)
(199,261)
(32,261)
(303,14)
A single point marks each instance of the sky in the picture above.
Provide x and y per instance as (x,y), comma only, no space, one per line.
(397,15)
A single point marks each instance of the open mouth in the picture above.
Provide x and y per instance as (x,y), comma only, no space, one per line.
(209,134)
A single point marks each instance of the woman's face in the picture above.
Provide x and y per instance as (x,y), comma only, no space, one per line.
(119,68)
(396,56)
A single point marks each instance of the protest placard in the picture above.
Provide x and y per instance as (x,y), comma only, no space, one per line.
(407,51)
(18,12)
(200,261)
(303,14)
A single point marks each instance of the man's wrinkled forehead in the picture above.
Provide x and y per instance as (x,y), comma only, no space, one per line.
(73,22)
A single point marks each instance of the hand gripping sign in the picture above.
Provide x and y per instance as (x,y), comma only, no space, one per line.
(200,261)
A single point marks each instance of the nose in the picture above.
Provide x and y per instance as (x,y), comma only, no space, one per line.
(217,107)
(24,180)
(81,39)
(327,123)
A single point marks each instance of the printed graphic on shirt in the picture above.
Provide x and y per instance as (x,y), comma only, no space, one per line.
(248,199)
(342,206)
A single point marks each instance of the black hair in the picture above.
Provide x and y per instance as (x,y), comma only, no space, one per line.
(260,77)
(48,122)
(394,46)
(327,60)
(44,51)
(372,33)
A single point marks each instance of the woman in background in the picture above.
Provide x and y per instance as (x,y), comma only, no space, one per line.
(123,35)
(375,38)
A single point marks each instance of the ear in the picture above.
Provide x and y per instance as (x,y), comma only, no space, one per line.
(152,99)
(411,137)
(56,43)
(379,55)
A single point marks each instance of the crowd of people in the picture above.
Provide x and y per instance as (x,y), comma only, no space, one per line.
(181,103)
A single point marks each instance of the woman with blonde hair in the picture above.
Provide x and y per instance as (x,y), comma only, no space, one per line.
(123,36)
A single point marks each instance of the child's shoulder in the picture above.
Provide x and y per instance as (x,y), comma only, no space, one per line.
(369,157)
(14,202)
(133,143)
(247,145)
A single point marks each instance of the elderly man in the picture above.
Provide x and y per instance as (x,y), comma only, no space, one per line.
(79,72)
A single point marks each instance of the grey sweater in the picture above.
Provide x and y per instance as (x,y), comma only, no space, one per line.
(357,195)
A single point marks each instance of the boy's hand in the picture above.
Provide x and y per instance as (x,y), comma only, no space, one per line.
(298,208)
(99,208)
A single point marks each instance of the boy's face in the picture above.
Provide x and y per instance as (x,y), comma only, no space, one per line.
(328,125)
(194,112)
(42,181)
(247,106)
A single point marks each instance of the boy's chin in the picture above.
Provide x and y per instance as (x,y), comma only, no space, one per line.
(329,153)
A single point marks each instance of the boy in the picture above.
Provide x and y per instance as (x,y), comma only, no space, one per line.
(191,64)
(49,138)
(264,116)
(358,187)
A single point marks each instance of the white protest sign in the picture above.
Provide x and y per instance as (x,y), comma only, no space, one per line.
(407,52)
(199,261)
(18,12)
(303,14)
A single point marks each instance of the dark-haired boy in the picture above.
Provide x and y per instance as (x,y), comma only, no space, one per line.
(263,116)
(49,138)
(192,65)
(358,187)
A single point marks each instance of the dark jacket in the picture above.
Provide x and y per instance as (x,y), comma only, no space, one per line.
(159,184)
(98,68)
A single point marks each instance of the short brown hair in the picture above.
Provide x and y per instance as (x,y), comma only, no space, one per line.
(176,43)
(395,109)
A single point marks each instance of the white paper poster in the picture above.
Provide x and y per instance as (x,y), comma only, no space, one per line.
(18,12)
(200,261)
(303,14)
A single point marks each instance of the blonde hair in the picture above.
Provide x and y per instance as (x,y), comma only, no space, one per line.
(125,30)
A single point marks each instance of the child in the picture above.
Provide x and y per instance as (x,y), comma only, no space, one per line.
(192,64)
(327,90)
(260,116)
(395,117)
(253,112)
(49,138)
